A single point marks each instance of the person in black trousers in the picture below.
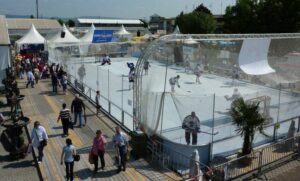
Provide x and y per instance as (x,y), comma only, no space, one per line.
(67,156)
(65,117)
(54,82)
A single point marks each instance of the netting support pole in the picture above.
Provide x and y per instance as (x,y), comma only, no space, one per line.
(213,128)
(277,121)
(108,85)
(97,78)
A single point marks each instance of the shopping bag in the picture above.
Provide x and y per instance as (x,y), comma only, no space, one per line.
(91,159)
(71,125)
(76,157)
(29,148)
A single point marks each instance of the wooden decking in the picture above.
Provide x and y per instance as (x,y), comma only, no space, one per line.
(41,105)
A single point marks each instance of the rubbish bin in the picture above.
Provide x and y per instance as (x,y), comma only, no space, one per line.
(139,144)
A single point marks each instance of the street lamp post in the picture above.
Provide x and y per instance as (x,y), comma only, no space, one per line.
(37,9)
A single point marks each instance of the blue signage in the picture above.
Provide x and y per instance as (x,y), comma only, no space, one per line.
(102,36)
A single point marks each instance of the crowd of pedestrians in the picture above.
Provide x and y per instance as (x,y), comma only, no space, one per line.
(36,69)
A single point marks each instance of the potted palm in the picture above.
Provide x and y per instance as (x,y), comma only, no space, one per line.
(248,119)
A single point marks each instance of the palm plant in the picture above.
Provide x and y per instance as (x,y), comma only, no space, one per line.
(248,119)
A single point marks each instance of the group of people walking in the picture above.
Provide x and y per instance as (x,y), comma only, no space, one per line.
(69,155)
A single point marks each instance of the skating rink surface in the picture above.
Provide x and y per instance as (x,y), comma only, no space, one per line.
(112,81)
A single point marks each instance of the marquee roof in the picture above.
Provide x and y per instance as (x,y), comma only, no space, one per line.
(31,37)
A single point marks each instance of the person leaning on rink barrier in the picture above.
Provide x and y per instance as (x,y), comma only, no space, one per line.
(191,125)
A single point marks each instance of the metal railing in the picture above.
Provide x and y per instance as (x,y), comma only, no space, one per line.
(258,160)
(160,156)
(89,92)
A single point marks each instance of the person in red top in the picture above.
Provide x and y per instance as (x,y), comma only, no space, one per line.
(98,150)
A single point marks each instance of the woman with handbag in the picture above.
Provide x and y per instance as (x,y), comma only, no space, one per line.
(39,139)
(98,150)
(67,155)
(65,117)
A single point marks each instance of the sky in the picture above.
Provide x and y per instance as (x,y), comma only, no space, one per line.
(125,9)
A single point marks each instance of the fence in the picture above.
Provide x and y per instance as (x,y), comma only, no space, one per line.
(259,159)
(110,108)
(165,156)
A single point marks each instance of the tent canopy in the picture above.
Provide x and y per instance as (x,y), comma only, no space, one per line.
(176,30)
(68,37)
(253,57)
(31,37)
(122,31)
(88,37)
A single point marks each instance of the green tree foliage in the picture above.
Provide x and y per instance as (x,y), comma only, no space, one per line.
(248,119)
(145,24)
(198,21)
(60,21)
(202,8)
(70,23)
(262,16)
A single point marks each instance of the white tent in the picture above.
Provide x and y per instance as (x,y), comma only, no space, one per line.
(176,30)
(31,37)
(122,31)
(88,37)
(67,38)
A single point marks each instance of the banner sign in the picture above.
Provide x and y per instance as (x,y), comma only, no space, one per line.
(102,36)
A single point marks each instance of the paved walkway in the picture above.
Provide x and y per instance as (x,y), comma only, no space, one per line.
(12,170)
(288,171)
(41,105)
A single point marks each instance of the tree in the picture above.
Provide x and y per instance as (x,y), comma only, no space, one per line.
(145,24)
(248,119)
(60,21)
(202,8)
(241,18)
(31,16)
(262,16)
(198,21)
(70,23)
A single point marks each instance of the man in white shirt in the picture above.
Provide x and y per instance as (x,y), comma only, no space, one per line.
(30,79)
(121,142)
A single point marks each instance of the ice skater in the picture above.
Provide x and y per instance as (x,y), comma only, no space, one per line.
(81,73)
(131,79)
(235,95)
(146,66)
(173,81)
(131,67)
(235,74)
(198,71)
(187,66)
(191,125)
(106,59)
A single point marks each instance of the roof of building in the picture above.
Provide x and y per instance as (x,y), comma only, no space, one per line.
(109,21)
(4,36)
(18,23)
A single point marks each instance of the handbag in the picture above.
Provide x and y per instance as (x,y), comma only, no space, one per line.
(71,125)
(76,157)
(29,148)
(91,159)
(44,142)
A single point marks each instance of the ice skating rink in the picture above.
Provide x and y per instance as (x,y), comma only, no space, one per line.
(206,99)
